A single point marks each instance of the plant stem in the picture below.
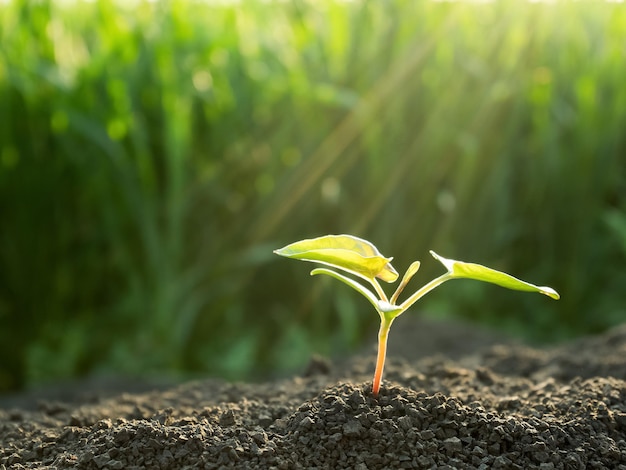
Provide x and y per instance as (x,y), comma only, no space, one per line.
(385,325)
(425,290)
(379,290)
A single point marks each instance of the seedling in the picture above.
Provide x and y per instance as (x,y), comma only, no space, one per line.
(362,259)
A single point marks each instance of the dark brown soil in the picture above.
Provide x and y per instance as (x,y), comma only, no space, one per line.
(480,402)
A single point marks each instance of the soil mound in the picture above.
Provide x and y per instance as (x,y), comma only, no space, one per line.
(503,406)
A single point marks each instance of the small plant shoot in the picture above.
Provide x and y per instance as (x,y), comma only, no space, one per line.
(362,259)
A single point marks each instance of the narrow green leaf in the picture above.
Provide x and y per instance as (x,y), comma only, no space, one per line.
(384,309)
(351,282)
(345,252)
(460,269)
(410,272)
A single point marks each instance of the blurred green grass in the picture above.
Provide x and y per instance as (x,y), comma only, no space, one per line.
(151,157)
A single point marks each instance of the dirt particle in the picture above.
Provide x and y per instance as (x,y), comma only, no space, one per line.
(352,428)
(227,418)
(452,445)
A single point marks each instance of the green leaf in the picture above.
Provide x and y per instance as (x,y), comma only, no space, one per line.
(410,272)
(382,307)
(351,282)
(345,252)
(459,269)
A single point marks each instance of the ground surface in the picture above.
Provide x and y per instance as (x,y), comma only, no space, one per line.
(477,401)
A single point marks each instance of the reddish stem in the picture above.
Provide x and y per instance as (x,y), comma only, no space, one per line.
(382,352)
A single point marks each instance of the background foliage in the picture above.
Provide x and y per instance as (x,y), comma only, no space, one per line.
(152,156)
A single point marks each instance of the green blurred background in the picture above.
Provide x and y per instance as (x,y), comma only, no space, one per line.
(152,157)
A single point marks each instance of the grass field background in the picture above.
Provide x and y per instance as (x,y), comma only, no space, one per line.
(153,156)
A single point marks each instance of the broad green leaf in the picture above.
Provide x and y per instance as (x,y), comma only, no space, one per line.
(346,252)
(459,269)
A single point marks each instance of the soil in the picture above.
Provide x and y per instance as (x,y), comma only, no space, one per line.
(453,397)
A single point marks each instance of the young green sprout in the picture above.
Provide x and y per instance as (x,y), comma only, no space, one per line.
(362,259)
